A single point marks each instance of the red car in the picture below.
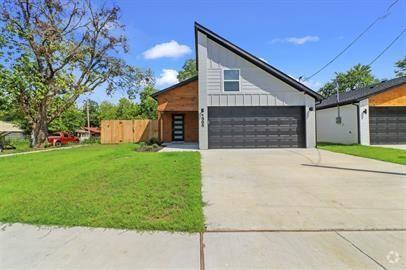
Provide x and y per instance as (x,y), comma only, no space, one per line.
(61,138)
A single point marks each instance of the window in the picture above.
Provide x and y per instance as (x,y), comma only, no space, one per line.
(231,79)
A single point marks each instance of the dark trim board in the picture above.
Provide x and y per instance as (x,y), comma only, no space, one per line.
(254,60)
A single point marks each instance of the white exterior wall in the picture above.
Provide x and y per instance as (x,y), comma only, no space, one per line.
(202,53)
(364,121)
(329,131)
(257,87)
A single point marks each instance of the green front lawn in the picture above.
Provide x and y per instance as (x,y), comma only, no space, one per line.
(103,186)
(374,152)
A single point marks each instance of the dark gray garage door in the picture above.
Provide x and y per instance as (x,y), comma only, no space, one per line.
(387,125)
(256,127)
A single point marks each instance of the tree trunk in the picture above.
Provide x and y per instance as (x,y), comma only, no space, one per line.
(40,132)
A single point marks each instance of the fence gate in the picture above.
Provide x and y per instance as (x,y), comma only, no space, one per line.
(124,131)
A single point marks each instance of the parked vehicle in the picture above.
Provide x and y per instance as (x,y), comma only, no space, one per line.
(61,138)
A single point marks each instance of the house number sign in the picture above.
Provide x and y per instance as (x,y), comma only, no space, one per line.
(202,117)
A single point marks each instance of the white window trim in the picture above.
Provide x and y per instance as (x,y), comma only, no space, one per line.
(222,80)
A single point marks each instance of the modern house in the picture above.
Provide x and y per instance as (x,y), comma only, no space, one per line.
(370,115)
(236,101)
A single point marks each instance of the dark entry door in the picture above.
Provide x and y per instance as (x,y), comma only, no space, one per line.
(178,127)
(387,125)
(256,127)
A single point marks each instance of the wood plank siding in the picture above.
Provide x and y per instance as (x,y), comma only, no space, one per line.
(395,97)
(179,100)
(183,98)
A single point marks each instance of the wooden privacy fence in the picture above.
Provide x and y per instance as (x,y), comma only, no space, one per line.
(121,131)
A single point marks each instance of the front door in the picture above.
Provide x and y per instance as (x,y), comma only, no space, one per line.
(178,127)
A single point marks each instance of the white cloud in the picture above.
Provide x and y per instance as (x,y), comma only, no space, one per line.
(296,40)
(168,49)
(167,78)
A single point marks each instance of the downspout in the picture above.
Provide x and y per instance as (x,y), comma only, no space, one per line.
(315,116)
(358,124)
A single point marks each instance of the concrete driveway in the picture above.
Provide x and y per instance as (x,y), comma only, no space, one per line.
(301,189)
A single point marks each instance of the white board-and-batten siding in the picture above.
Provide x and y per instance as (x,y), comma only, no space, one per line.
(257,87)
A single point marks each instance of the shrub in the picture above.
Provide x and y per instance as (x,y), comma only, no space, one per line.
(91,140)
(153,141)
(143,147)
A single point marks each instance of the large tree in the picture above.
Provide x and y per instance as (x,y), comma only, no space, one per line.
(70,120)
(57,50)
(357,77)
(400,67)
(188,70)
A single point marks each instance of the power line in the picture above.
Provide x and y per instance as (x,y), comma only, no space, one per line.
(387,47)
(382,17)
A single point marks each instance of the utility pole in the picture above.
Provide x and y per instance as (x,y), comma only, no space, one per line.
(88,117)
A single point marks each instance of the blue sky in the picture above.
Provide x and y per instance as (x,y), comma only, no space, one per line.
(297,37)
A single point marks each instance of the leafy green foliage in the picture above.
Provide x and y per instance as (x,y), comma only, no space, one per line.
(148,105)
(400,65)
(70,120)
(107,111)
(188,70)
(109,186)
(126,109)
(357,77)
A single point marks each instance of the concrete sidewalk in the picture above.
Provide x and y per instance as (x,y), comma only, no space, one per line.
(33,247)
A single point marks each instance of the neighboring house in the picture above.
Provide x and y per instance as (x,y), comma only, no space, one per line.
(370,115)
(236,101)
(84,134)
(12,130)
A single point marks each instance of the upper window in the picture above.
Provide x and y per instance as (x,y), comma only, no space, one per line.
(231,79)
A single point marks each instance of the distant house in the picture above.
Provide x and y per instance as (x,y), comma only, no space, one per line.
(83,133)
(11,130)
(371,115)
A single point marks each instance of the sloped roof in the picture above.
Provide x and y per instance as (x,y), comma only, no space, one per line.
(359,94)
(254,60)
(9,127)
(154,95)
